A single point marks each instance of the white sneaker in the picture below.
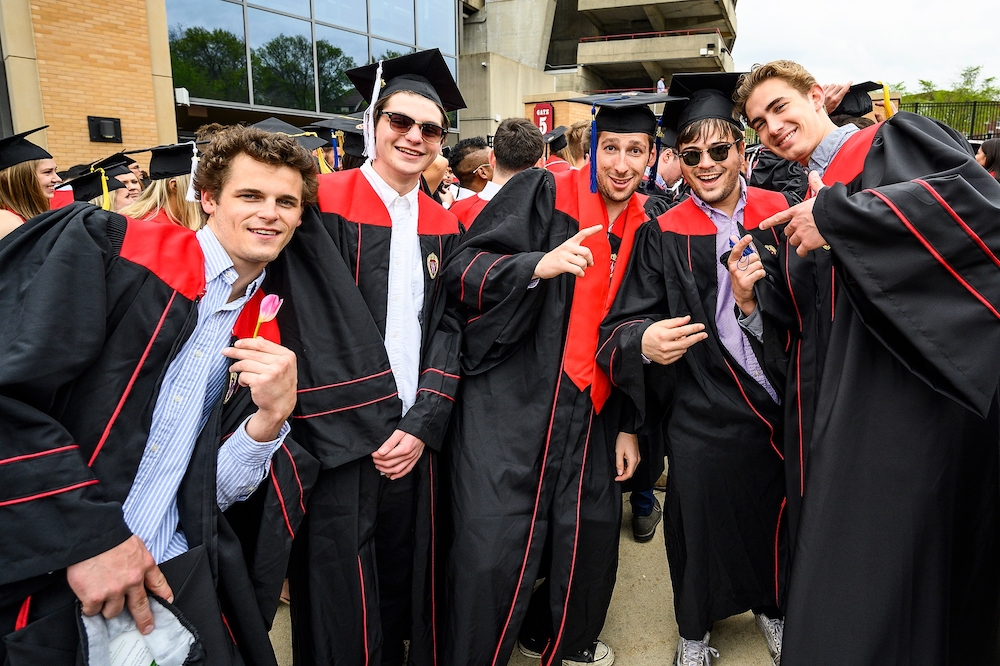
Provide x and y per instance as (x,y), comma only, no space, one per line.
(600,654)
(773,631)
(695,653)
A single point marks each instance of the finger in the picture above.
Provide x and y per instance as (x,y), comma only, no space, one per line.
(620,462)
(156,583)
(390,443)
(815,182)
(138,606)
(260,344)
(588,256)
(673,323)
(586,233)
(251,366)
(692,340)
(250,354)
(776,219)
(740,245)
(113,606)
(685,331)
(406,471)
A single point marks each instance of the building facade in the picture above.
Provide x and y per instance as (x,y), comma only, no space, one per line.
(109,76)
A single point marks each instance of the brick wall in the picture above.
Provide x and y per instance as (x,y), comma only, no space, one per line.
(94,60)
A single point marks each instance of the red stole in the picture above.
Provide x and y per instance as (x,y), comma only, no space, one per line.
(247,321)
(594,292)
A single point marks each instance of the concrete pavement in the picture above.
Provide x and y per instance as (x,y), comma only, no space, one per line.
(640,625)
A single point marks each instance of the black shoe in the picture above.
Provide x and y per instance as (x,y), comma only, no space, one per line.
(644,527)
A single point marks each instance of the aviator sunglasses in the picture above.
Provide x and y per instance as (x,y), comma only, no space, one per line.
(692,156)
(400,123)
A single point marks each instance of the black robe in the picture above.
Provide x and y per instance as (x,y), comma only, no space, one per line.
(532,455)
(725,483)
(897,547)
(770,172)
(335,270)
(95,308)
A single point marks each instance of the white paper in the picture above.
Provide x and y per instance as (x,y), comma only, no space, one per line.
(129,649)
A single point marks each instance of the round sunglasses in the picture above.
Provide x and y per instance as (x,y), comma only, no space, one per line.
(401,123)
(718,152)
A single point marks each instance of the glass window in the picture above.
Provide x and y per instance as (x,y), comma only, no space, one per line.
(453,66)
(208,49)
(336,52)
(436,25)
(383,50)
(282,57)
(348,13)
(297,7)
(393,19)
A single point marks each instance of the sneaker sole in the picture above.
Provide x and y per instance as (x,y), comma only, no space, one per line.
(644,538)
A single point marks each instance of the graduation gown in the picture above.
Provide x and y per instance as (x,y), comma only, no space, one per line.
(725,484)
(895,559)
(335,270)
(535,425)
(770,172)
(96,307)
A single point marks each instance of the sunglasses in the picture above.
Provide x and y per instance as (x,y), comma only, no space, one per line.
(400,123)
(692,156)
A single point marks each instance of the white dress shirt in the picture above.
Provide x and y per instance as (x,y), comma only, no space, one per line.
(405,299)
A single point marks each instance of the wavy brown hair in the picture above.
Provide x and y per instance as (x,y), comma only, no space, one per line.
(788,71)
(20,191)
(273,149)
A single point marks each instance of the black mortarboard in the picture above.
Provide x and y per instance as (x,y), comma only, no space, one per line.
(118,170)
(425,73)
(88,186)
(556,139)
(350,128)
(171,161)
(112,160)
(16,149)
(307,140)
(708,96)
(624,113)
(857,102)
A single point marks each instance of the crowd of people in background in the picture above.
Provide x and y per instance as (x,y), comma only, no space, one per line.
(404,387)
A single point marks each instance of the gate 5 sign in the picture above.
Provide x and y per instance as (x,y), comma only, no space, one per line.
(543,117)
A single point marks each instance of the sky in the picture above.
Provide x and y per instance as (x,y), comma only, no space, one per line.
(861,40)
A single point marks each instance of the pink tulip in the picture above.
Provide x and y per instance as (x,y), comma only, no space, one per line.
(269,307)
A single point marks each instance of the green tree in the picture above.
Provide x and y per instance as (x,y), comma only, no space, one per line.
(210,63)
(283,73)
(334,86)
(970,86)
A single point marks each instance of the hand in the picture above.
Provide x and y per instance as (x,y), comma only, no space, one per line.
(801,229)
(570,257)
(107,582)
(744,273)
(269,370)
(397,456)
(833,95)
(626,455)
(665,341)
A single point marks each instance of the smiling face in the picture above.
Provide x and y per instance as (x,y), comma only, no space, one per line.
(788,123)
(715,183)
(621,162)
(47,177)
(256,212)
(401,158)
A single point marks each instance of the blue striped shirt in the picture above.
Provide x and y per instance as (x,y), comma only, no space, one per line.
(193,384)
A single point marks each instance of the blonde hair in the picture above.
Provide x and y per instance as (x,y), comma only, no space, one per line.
(159,197)
(577,142)
(20,191)
(788,71)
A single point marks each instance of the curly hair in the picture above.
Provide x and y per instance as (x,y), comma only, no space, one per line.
(273,149)
(788,71)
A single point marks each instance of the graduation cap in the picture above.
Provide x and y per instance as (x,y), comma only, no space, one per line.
(857,102)
(172,161)
(118,159)
(556,139)
(16,149)
(345,134)
(307,140)
(624,113)
(708,96)
(90,186)
(425,73)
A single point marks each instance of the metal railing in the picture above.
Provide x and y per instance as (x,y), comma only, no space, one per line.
(651,35)
(976,120)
